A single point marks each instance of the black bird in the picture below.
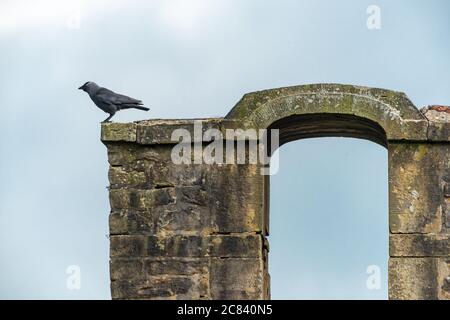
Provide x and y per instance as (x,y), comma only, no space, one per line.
(109,101)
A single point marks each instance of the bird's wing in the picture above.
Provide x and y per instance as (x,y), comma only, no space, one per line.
(110,97)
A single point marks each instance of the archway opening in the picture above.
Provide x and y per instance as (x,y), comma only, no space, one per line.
(329,210)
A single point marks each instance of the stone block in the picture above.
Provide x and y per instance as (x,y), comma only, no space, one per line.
(419,245)
(113,132)
(124,222)
(176,245)
(416,172)
(439,131)
(125,268)
(160,131)
(183,218)
(239,245)
(143,268)
(175,266)
(419,278)
(140,199)
(128,246)
(187,214)
(133,156)
(237,278)
(162,287)
(439,122)
(121,178)
(236,198)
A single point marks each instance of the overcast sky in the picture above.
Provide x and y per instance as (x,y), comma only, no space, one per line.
(196,58)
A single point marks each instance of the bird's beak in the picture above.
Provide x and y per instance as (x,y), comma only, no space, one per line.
(80,88)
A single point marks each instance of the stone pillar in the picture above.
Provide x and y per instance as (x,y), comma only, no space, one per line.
(419,214)
(181,231)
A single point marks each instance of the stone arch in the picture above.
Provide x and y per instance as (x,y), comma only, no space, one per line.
(391,110)
(319,125)
(198,231)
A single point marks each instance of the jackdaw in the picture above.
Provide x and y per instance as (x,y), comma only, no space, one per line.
(109,101)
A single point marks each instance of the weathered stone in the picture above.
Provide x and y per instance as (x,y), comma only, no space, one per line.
(444,279)
(119,199)
(184,217)
(166,173)
(118,222)
(439,131)
(439,122)
(121,154)
(419,245)
(140,199)
(413,278)
(179,217)
(446,214)
(119,178)
(437,113)
(161,287)
(125,269)
(215,246)
(246,246)
(187,246)
(128,246)
(266,283)
(419,278)
(118,132)
(177,246)
(156,163)
(175,266)
(237,278)
(416,171)
(132,222)
(236,198)
(160,131)
(194,195)
(133,157)
(446,188)
(143,268)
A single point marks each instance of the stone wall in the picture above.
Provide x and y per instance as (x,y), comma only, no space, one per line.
(188,231)
(419,213)
(198,231)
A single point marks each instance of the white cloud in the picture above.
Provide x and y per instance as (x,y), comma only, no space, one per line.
(181,15)
(187,15)
(20,14)
(17,15)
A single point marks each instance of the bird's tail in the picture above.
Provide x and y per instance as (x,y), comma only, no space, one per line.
(133,106)
(142,108)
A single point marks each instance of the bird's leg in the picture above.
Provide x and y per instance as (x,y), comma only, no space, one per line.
(107,119)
